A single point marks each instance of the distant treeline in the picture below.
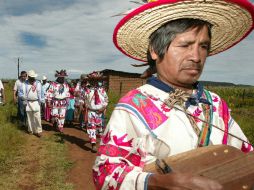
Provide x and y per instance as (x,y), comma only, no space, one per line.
(227,84)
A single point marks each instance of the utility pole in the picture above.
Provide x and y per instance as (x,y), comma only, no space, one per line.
(18,67)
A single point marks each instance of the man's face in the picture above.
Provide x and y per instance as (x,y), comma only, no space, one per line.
(93,83)
(31,79)
(83,83)
(184,60)
(23,77)
(60,80)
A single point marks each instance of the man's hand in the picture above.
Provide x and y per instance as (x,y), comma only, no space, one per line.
(181,181)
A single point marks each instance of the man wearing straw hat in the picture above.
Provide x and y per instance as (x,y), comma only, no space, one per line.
(32,95)
(172,113)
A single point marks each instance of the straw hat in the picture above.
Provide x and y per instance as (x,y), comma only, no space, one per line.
(32,74)
(232,21)
(44,77)
(96,75)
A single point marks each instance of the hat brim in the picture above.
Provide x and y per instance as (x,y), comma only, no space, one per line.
(33,76)
(232,21)
(61,75)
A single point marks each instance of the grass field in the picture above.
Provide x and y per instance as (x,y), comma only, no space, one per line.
(241,102)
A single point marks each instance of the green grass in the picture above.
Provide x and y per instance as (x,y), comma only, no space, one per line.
(241,102)
(44,159)
(53,166)
(11,142)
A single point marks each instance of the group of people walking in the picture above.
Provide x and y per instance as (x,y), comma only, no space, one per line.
(56,101)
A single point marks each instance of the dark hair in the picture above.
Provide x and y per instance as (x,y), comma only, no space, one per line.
(22,72)
(161,38)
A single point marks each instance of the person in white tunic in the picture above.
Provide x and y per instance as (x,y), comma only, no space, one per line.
(57,97)
(2,94)
(33,95)
(96,100)
(172,113)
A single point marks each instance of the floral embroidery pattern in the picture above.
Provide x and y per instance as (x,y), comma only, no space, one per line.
(107,169)
(165,108)
(215,99)
(114,151)
(144,105)
(196,114)
(119,141)
(106,138)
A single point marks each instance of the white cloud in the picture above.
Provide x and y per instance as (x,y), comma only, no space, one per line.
(78,38)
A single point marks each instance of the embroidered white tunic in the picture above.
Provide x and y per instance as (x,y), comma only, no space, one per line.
(142,128)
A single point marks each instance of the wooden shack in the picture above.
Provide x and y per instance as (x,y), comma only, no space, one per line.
(121,82)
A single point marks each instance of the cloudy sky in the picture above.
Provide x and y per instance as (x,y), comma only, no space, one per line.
(76,35)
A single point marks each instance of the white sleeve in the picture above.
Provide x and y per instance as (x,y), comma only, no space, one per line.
(121,157)
(1,85)
(235,129)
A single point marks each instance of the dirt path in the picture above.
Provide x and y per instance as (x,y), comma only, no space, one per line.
(82,157)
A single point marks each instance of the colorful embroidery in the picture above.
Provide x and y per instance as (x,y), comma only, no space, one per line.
(246,147)
(225,116)
(165,108)
(119,141)
(204,137)
(215,98)
(106,138)
(114,151)
(107,169)
(214,109)
(196,114)
(145,105)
